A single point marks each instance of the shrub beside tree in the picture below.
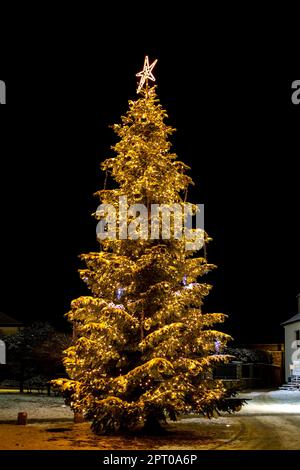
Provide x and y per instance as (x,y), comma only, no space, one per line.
(34,355)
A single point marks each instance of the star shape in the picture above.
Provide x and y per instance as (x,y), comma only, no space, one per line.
(146,73)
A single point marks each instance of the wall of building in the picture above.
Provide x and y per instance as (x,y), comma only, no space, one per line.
(290,338)
(9,330)
(277,352)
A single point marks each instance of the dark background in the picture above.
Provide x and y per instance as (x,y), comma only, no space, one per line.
(237,129)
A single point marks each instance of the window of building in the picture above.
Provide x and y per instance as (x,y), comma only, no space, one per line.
(298,335)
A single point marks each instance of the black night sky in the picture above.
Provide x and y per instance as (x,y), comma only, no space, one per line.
(236,127)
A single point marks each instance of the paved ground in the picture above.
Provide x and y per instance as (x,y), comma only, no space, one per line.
(270,421)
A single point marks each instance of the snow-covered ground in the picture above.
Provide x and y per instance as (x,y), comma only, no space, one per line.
(37,407)
(271,402)
(270,421)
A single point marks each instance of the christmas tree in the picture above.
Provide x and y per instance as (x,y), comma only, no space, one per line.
(143,349)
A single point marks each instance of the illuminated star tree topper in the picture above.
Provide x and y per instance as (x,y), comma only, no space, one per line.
(146,74)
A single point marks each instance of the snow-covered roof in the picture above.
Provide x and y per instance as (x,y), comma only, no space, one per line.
(294,319)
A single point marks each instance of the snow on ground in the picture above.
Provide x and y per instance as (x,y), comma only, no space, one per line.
(272,402)
(270,421)
(80,437)
(38,407)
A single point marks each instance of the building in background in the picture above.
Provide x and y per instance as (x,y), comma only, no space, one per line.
(8,325)
(292,345)
(254,366)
